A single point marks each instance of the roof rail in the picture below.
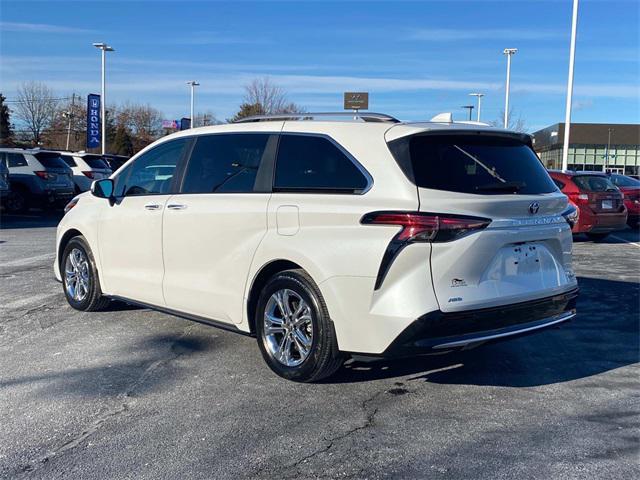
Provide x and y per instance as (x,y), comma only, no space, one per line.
(364,116)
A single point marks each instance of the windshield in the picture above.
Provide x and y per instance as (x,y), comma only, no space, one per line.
(480,164)
(624,181)
(594,183)
(51,160)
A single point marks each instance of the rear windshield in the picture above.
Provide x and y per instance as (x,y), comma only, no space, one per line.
(594,183)
(95,161)
(50,160)
(624,181)
(479,164)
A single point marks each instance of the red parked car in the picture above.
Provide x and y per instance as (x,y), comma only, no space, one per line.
(599,202)
(630,188)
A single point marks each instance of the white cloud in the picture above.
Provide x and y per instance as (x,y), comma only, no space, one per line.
(39,28)
(455,34)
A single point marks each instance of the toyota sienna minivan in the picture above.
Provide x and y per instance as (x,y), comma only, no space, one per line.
(329,237)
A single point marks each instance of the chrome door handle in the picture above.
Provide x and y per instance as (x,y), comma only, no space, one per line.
(174,206)
(153,206)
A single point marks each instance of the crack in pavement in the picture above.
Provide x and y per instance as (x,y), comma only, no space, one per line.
(113,412)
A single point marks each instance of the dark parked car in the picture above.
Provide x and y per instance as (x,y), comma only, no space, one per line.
(5,189)
(38,179)
(630,188)
(599,202)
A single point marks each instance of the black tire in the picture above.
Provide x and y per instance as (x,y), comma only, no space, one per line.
(597,237)
(16,201)
(323,358)
(93,300)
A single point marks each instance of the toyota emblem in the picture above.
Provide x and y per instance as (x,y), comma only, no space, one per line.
(534,207)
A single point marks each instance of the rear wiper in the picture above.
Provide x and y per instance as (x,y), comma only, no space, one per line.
(503,186)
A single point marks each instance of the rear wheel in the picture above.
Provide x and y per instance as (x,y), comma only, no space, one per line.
(16,202)
(294,331)
(596,237)
(80,277)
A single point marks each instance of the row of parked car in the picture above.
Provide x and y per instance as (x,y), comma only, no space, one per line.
(49,179)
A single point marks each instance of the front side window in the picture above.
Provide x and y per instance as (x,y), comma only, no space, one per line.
(225,163)
(152,172)
(594,183)
(315,163)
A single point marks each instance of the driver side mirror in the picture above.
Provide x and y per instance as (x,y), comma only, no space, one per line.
(103,189)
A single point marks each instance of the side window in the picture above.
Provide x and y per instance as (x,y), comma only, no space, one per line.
(152,172)
(16,160)
(225,163)
(68,159)
(308,162)
(558,183)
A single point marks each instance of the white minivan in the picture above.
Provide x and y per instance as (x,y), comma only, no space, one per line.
(328,237)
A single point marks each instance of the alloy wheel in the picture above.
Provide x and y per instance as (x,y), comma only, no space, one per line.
(77,276)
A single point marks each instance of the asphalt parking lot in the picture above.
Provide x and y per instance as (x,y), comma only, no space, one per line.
(131,393)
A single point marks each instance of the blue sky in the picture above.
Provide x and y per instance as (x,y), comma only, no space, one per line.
(416,58)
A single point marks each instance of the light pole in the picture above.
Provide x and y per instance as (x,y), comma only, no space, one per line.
(193,84)
(470,108)
(508,52)
(567,117)
(606,156)
(103,95)
(479,95)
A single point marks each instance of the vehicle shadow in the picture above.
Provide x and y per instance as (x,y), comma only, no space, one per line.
(602,337)
(32,219)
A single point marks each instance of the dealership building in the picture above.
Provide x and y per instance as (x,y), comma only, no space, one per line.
(592,146)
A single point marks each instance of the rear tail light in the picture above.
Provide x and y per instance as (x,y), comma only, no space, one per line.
(420,227)
(89,174)
(427,227)
(45,175)
(571,215)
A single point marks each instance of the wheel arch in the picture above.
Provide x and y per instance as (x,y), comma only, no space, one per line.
(260,279)
(64,241)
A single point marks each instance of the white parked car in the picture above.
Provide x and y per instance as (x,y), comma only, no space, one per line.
(86,168)
(329,238)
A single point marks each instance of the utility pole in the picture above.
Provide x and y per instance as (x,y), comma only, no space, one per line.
(606,155)
(479,96)
(470,108)
(69,114)
(193,84)
(508,52)
(567,118)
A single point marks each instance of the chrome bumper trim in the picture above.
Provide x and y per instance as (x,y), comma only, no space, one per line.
(563,317)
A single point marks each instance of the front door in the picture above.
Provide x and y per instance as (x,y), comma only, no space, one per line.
(130,231)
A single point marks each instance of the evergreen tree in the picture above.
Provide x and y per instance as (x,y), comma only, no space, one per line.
(6,132)
(122,144)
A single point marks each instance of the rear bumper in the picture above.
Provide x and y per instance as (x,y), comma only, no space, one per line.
(601,222)
(438,331)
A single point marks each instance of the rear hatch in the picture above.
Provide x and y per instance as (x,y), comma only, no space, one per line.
(598,193)
(55,172)
(522,249)
(98,167)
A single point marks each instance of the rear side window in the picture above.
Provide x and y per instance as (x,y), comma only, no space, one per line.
(624,181)
(95,161)
(594,183)
(68,159)
(16,160)
(558,183)
(225,163)
(315,163)
(478,164)
(50,160)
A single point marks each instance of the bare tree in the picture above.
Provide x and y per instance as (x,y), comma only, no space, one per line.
(516,123)
(272,99)
(204,119)
(143,122)
(35,107)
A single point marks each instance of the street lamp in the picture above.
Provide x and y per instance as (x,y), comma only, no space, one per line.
(103,95)
(508,52)
(470,108)
(479,95)
(193,84)
(567,117)
(606,156)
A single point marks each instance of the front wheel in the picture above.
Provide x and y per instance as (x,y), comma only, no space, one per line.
(295,334)
(80,277)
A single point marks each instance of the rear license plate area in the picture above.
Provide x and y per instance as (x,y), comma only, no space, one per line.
(607,204)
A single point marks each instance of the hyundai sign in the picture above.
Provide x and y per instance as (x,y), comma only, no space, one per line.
(93,121)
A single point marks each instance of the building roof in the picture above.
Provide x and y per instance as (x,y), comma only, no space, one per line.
(588,134)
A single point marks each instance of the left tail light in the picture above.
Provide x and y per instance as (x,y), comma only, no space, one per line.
(90,174)
(45,175)
(420,227)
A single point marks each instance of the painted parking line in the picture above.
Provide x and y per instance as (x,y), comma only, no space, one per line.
(626,241)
